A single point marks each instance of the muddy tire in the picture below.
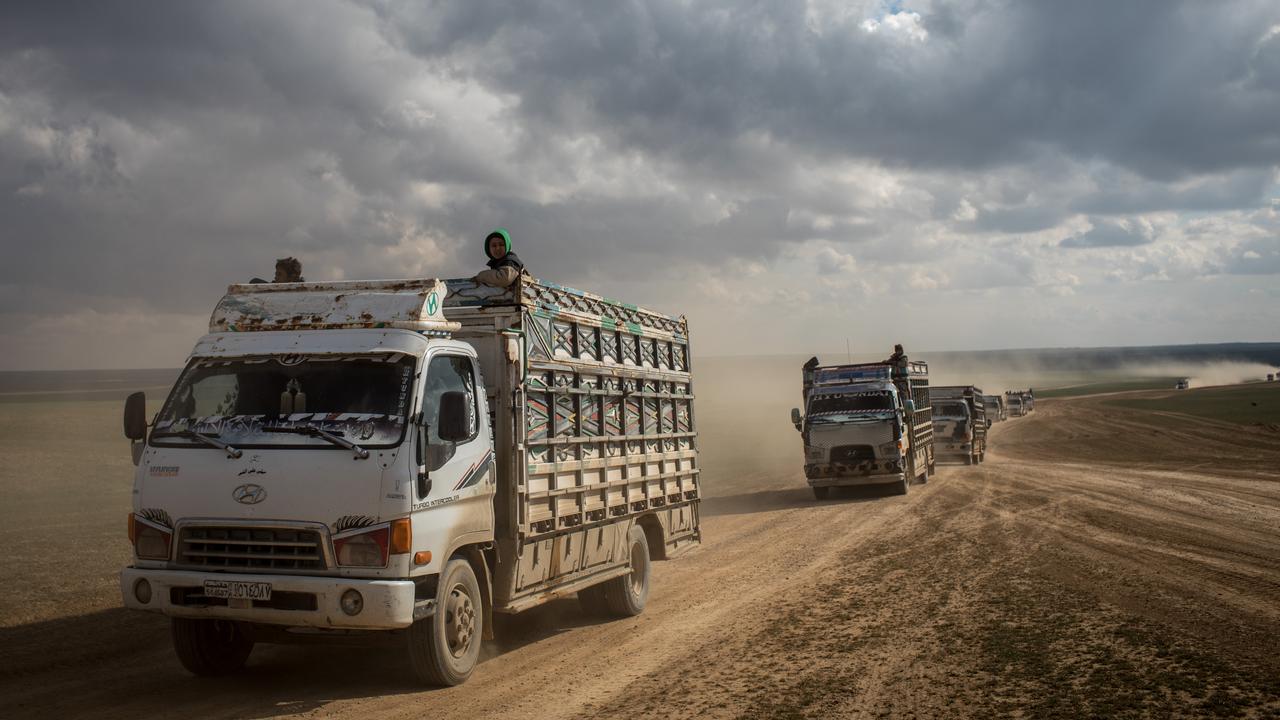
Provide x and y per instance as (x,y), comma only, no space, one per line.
(444,648)
(968,459)
(821,493)
(210,647)
(900,487)
(626,596)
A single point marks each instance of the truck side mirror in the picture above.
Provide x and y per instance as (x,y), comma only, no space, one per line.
(910,406)
(453,425)
(135,416)
(795,416)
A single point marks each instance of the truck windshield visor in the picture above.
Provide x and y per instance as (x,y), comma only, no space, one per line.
(833,406)
(950,410)
(244,401)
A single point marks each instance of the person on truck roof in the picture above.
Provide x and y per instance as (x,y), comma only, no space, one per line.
(898,360)
(807,377)
(287,270)
(504,265)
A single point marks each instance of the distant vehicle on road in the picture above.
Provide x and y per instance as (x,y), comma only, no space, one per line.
(1014,404)
(994,406)
(959,423)
(1183,384)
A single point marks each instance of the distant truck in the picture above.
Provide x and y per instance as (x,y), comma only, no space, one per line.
(866,424)
(1014,405)
(994,406)
(959,423)
(350,459)
(1026,401)
(1182,384)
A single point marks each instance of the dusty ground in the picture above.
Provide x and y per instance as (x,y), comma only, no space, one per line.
(1103,562)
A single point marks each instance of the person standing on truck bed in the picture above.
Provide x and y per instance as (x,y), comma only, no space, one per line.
(898,360)
(287,270)
(504,265)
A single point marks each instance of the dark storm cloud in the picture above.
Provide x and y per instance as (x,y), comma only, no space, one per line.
(151,154)
(1164,88)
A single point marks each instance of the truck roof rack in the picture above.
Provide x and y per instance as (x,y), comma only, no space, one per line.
(416,304)
(551,299)
(854,372)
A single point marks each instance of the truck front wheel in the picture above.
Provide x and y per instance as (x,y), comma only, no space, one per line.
(210,647)
(626,596)
(444,648)
(821,493)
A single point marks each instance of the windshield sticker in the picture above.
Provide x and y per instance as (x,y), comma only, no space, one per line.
(164,471)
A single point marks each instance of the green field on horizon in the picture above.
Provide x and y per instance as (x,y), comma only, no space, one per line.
(1248,404)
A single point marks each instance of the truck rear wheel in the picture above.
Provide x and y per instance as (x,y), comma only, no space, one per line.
(626,596)
(821,493)
(444,648)
(210,647)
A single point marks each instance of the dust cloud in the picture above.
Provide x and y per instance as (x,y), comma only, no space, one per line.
(1206,374)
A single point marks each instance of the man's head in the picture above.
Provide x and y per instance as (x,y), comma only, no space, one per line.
(497,244)
(288,270)
(897,349)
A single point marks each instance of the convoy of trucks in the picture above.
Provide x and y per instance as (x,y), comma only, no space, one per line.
(406,459)
(960,423)
(866,424)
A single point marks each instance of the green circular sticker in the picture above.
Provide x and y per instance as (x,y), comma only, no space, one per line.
(433,303)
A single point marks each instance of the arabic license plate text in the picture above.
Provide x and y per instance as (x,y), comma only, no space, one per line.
(237,590)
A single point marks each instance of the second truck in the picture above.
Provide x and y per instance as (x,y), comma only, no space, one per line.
(960,423)
(866,424)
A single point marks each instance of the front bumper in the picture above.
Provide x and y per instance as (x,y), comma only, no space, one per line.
(297,600)
(868,472)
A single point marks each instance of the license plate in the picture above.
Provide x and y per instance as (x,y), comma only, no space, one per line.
(232,589)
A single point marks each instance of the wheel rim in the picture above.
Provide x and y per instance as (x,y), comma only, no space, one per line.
(459,621)
(637,570)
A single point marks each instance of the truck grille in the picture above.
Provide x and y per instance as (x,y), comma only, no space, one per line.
(251,548)
(852,453)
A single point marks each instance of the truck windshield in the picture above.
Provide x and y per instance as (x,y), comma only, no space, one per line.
(950,410)
(828,406)
(244,402)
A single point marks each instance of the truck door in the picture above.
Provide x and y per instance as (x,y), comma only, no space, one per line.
(461,472)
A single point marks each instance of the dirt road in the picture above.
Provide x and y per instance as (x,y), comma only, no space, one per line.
(1102,562)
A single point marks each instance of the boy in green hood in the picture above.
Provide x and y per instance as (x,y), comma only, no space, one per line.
(504,266)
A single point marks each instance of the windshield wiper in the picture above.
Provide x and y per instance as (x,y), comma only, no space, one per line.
(311,431)
(210,440)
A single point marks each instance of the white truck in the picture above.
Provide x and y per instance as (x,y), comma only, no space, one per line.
(960,422)
(407,458)
(866,424)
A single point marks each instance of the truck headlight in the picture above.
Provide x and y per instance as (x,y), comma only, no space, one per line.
(150,541)
(889,449)
(372,547)
(815,453)
(366,549)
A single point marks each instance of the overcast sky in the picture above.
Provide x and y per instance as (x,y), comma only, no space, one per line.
(789,174)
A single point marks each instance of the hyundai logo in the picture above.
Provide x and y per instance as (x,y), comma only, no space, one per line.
(249,494)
